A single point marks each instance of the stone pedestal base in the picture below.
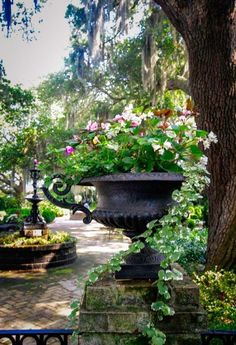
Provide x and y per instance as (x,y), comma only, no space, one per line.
(114,313)
(35,230)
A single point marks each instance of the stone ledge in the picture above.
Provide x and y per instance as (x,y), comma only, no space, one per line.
(128,339)
(130,322)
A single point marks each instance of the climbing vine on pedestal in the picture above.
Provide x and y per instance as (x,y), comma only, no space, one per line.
(163,235)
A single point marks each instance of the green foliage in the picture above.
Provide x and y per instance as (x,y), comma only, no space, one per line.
(193,250)
(48,205)
(132,142)
(15,240)
(7,202)
(49,215)
(21,213)
(218,296)
(156,337)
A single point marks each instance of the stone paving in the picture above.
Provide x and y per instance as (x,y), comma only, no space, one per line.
(32,300)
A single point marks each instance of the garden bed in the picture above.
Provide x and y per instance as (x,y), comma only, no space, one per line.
(35,256)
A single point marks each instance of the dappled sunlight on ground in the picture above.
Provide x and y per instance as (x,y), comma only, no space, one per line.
(42,299)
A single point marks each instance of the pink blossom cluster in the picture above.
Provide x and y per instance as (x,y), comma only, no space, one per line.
(69,150)
(92,126)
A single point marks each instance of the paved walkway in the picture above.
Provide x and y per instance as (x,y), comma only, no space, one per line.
(42,299)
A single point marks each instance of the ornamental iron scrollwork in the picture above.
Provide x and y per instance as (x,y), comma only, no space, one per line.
(61,186)
(37,337)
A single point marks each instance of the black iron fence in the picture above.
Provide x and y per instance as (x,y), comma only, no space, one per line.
(223,337)
(62,336)
(37,336)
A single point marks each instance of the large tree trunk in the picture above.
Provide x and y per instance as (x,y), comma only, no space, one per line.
(209,30)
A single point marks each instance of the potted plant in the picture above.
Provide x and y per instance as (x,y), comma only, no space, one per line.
(135,161)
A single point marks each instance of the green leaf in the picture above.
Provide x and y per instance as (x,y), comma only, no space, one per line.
(170,166)
(200,133)
(168,156)
(196,151)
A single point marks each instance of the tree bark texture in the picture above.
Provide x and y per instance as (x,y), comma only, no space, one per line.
(209,30)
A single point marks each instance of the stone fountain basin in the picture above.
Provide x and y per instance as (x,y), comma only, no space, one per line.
(37,257)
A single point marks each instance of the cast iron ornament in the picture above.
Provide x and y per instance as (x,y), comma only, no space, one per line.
(61,186)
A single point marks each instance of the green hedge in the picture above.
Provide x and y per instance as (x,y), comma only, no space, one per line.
(48,215)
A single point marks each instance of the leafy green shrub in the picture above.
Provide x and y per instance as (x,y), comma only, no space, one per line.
(48,205)
(7,202)
(218,296)
(25,212)
(15,240)
(48,215)
(194,250)
(21,213)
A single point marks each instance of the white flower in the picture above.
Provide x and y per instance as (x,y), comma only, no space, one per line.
(105,126)
(212,138)
(206,144)
(156,147)
(203,160)
(167,145)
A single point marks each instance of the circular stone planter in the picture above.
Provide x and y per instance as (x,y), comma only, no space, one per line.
(37,257)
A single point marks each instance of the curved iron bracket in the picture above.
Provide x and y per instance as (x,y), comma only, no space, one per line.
(62,187)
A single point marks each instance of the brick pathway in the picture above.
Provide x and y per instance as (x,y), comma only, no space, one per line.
(30,300)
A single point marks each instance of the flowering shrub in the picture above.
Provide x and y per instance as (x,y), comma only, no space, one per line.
(155,141)
(218,296)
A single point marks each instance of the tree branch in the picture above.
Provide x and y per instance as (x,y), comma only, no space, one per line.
(177,11)
(115,99)
(180,83)
(5,191)
(5,180)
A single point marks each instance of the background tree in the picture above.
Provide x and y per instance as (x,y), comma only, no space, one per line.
(208,28)
(15,137)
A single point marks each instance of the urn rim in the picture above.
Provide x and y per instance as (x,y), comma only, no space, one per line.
(128,177)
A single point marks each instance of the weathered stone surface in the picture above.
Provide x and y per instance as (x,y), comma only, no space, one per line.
(184,322)
(93,322)
(184,293)
(127,322)
(111,294)
(111,339)
(114,313)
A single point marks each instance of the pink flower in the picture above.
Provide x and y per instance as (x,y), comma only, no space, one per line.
(186,112)
(119,118)
(69,150)
(92,126)
(36,162)
(141,134)
(134,123)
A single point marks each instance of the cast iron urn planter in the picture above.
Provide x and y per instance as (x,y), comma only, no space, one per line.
(128,201)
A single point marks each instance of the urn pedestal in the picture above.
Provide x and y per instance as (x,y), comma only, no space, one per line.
(115,312)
